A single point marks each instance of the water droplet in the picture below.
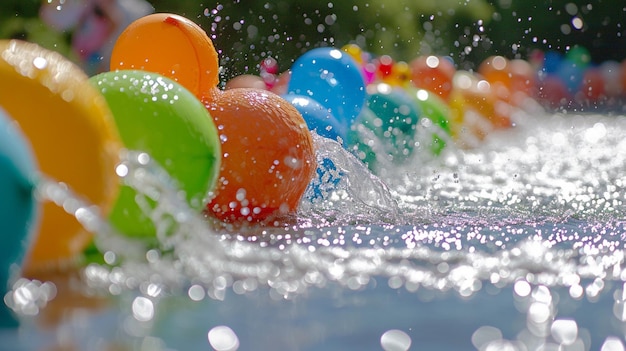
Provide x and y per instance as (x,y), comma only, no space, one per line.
(222,338)
(485,335)
(40,62)
(395,340)
(564,331)
(612,343)
(143,309)
(196,292)
(522,288)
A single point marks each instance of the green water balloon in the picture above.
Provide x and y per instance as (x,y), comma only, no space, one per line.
(435,110)
(158,116)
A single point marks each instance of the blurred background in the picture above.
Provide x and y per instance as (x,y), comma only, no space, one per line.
(245,32)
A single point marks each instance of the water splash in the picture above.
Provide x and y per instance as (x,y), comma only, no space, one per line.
(535,209)
(467,211)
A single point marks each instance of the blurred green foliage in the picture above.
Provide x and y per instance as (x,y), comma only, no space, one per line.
(246,31)
(598,25)
(19,20)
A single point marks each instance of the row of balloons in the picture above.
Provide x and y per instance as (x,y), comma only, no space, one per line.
(236,154)
(573,81)
(383,110)
(244,155)
(498,86)
(378,101)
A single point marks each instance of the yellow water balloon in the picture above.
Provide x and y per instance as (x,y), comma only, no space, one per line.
(73,137)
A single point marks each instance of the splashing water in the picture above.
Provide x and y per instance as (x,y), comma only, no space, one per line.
(537,210)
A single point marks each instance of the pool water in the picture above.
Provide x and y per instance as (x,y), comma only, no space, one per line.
(514,245)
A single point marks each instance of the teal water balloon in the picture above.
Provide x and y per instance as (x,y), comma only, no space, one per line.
(571,74)
(391,126)
(18,205)
(333,78)
(317,117)
(363,140)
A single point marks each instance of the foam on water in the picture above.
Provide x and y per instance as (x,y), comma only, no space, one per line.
(537,207)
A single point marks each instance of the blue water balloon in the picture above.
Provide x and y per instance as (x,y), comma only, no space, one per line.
(318,117)
(571,74)
(333,78)
(18,205)
(551,62)
(326,180)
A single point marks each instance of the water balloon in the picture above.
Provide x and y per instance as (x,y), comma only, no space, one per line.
(246,81)
(73,137)
(363,141)
(281,84)
(579,55)
(551,62)
(513,80)
(436,112)
(317,117)
(384,67)
(433,73)
(475,110)
(269,71)
(610,71)
(268,156)
(400,74)
(327,178)
(171,45)
(593,86)
(18,205)
(496,69)
(394,125)
(571,74)
(552,92)
(158,116)
(355,52)
(331,77)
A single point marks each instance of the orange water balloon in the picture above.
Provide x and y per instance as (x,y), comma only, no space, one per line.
(516,77)
(523,77)
(476,111)
(246,81)
(496,69)
(172,46)
(433,73)
(268,156)
(73,137)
